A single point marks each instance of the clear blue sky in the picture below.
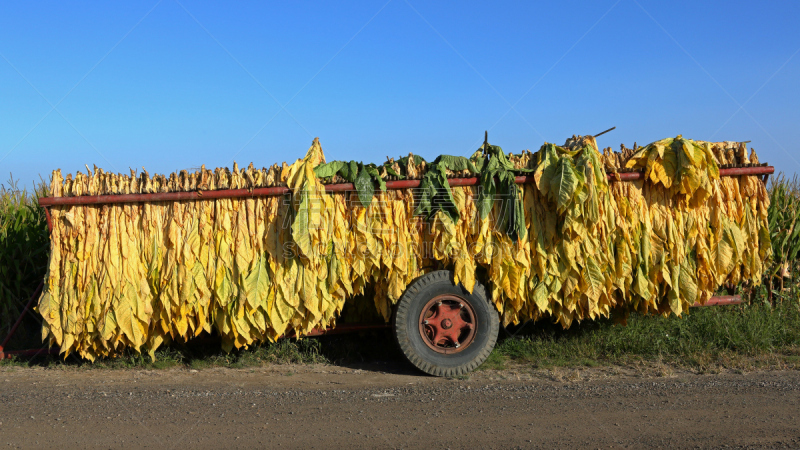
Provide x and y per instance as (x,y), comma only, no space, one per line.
(172,85)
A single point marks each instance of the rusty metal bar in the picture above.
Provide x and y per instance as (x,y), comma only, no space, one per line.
(739,171)
(32,352)
(721,300)
(342,187)
(625,176)
(49,220)
(729,172)
(163,196)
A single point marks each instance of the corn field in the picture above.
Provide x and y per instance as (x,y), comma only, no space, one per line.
(24,249)
(784,225)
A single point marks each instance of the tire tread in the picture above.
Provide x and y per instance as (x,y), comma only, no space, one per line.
(402,339)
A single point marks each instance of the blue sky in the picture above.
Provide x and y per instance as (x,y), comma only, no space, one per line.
(172,85)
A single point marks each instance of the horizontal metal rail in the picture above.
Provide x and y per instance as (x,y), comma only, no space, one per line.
(721,300)
(341,187)
(10,354)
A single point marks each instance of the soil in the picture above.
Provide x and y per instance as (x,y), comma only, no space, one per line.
(390,406)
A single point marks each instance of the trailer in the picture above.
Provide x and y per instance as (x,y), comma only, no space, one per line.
(443,326)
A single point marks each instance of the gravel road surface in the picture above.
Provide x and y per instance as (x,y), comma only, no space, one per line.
(320,406)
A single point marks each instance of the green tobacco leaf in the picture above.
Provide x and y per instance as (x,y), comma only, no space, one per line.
(486,194)
(545,170)
(563,184)
(349,171)
(519,229)
(376,176)
(404,160)
(328,170)
(455,163)
(498,187)
(478,160)
(362,176)
(435,193)
(364,187)
(392,172)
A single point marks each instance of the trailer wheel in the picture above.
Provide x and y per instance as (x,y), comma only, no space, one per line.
(441,328)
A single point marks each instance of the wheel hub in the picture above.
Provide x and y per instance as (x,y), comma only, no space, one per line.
(447,324)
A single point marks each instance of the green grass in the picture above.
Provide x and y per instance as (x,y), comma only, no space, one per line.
(740,337)
(706,337)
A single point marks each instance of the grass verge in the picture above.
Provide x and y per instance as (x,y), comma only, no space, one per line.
(743,337)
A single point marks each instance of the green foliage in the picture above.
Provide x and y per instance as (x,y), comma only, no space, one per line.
(24,249)
(784,225)
(363,176)
(498,182)
(435,189)
(564,176)
(327,170)
(704,336)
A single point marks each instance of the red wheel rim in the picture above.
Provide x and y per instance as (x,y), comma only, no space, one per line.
(447,324)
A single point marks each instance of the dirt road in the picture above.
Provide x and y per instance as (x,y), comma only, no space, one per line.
(317,406)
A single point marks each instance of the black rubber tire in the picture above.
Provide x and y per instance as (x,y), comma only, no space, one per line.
(406,326)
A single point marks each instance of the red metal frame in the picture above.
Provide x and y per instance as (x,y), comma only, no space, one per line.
(721,300)
(342,187)
(32,352)
(49,221)
(727,172)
